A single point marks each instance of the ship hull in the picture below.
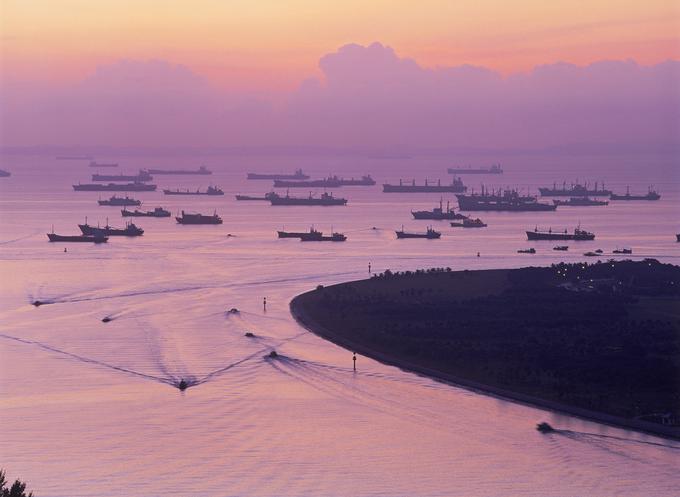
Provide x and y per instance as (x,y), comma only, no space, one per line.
(401,234)
(93,231)
(126,213)
(132,187)
(634,197)
(121,203)
(309,237)
(278,176)
(77,238)
(474,171)
(467,204)
(423,188)
(180,172)
(532,235)
(290,234)
(171,192)
(307,202)
(549,192)
(198,219)
(437,217)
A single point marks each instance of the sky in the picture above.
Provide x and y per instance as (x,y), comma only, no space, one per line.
(278,63)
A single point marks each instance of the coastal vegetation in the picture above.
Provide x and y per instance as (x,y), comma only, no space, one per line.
(603,337)
(17,489)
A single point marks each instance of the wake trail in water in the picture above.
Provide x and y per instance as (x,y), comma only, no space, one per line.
(585,436)
(7,242)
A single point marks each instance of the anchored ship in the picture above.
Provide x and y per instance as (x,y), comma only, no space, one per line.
(470,223)
(580,202)
(297,175)
(129,230)
(135,178)
(120,201)
(650,195)
(157,212)
(495,169)
(93,163)
(114,187)
(456,186)
(506,200)
(574,190)
(297,234)
(430,234)
(325,199)
(577,235)
(317,236)
(187,218)
(248,197)
(77,238)
(201,170)
(438,213)
(212,190)
(330,182)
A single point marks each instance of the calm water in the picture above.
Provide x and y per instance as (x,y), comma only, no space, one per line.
(88,408)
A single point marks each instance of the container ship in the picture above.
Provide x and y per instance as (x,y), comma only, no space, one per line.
(212,190)
(507,200)
(297,175)
(438,213)
(325,199)
(201,170)
(580,202)
(574,190)
(577,235)
(456,186)
(130,230)
(157,212)
(494,169)
(120,201)
(187,218)
(142,176)
(650,195)
(114,187)
(430,234)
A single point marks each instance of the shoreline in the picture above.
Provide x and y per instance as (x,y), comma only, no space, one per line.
(645,427)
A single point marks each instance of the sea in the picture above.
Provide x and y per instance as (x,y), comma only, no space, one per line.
(89,408)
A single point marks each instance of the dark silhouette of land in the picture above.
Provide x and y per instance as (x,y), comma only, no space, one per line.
(17,489)
(599,341)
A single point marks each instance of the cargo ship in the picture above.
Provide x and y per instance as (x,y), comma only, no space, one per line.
(330,182)
(212,190)
(97,164)
(506,200)
(129,230)
(187,218)
(157,212)
(140,177)
(580,202)
(438,213)
(297,175)
(650,195)
(120,201)
(317,236)
(201,170)
(249,197)
(574,190)
(494,169)
(4,174)
(77,238)
(325,199)
(429,234)
(114,187)
(578,235)
(456,186)
(297,234)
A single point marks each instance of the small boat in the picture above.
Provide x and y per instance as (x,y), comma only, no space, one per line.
(563,248)
(527,251)
(106,319)
(96,238)
(212,190)
(233,310)
(591,254)
(182,384)
(622,251)
(545,427)
(157,212)
(470,223)
(250,334)
(430,234)
(273,354)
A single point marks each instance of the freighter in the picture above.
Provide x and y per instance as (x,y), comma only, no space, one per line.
(578,235)
(438,213)
(135,178)
(297,234)
(212,190)
(650,195)
(429,234)
(317,236)
(574,190)
(325,199)
(188,218)
(157,212)
(77,238)
(98,164)
(580,202)
(456,186)
(494,169)
(507,200)
(249,197)
(330,182)
(297,175)
(4,174)
(120,201)
(114,187)
(129,230)
(201,170)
